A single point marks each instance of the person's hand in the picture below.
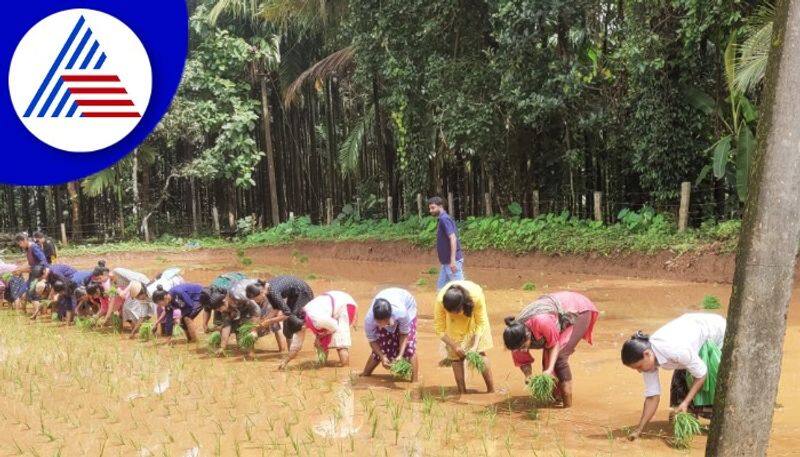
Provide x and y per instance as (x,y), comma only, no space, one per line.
(682,408)
(634,435)
(461,353)
(386,362)
(283,365)
(550,373)
(453,266)
(220,352)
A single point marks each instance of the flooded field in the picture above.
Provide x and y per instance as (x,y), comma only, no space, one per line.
(65,392)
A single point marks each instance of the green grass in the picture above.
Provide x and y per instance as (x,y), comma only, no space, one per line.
(710,302)
(685,427)
(432,271)
(421,282)
(528,286)
(214,341)
(244,336)
(116,323)
(401,369)
(147,331)
(541,388)
(177,332)
(311,277)
(475,361)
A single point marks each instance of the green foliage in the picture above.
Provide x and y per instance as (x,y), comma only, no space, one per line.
(54,317)
(177,332)
(245,337)
(475,361)
(529,286)
(322,357)
(147,331)
(685,427)
(541,388)
(214,341)
(421,282)
(401,369)
(84,324)
(116,323)
(710,302)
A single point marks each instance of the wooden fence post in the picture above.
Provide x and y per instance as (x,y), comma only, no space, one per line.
(451,208)
(487,201)
(389,212)
(358,207)
(683,212)
(419,205)
(329,210)
(598,206)
(215,215)
(535,203)
(64,234)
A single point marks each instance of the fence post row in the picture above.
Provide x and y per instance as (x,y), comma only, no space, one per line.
(215,215)
(535,203)
(487,201)
(329,210)
(389,212)
(419,205)
(450,205)
(64,234)
(683,212)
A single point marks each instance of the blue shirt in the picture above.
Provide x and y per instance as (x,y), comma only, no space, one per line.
(36,255)
(404,311)
(445,228)
(186,297)
(60,272)
(82,278)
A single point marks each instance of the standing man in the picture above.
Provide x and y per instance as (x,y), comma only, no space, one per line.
(448,246)
(35,256)
(47,245)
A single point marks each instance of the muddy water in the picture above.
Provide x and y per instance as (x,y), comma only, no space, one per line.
(156,400)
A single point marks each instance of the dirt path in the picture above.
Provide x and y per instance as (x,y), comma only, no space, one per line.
(228,407)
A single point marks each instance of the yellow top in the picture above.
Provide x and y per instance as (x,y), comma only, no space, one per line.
(460,327)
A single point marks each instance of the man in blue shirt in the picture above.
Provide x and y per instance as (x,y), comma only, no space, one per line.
(35,256)
(448,246)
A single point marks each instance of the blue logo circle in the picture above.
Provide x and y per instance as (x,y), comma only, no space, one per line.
(87,82)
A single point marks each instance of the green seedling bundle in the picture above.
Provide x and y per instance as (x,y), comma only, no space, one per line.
(322,357)
(215,341)
(147,331)
(401,369)
(541,388)
(475,361)
(686,426)
(245,337)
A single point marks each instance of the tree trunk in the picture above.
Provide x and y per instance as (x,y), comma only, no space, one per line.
(76,209)
(751,360)
(267,121)
(12,208)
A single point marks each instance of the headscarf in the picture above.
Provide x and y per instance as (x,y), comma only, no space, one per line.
(546,304)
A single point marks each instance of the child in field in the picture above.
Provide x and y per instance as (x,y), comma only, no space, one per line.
(691,345)
(461,320)
(137,308)
(255,290)
(554,323)
(186,298)
(391,328)
(35,257)
(329,317)
(88,300)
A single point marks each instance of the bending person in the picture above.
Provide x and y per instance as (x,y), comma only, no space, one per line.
(554,323)
(691,345)
(391,328)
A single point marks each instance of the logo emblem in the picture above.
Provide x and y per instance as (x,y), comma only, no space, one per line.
(80,80)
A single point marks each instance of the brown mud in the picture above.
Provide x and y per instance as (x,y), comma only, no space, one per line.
(232,407)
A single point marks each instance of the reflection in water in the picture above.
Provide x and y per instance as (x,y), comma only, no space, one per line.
(340,422)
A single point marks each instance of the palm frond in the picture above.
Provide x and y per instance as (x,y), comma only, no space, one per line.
(350,149)
(337,63)
(753,52)
(95,184)
(242,9)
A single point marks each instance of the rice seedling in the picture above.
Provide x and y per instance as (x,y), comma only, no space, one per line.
(244,336)
(710,302)
(529,286)
(541,388)
(421,282)
(533,413)
(322,357)
(475,361)
(685,427)
(401,369)
(177,332)
(116,323)
(432,271)
(55,317)
(84,324)
(311,277)
(214,341)
(146,331)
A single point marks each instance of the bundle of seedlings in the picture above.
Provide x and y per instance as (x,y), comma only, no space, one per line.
(475,361)
(245,337)
(401,369)
(541,388)
(686,426)
(55,317)
(116,323)
(147,331)
(214,341)
(177,332)
(322,356)
(84,324)
(711,302)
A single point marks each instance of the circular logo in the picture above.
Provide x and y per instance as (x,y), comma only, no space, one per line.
(80,80)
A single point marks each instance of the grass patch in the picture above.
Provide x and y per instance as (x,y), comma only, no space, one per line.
(475,361)
(244,336)
(685,427)
(432,271)
(541,388)
(401,369)
(710,302)
(311,277)
(528,286)
(421,282)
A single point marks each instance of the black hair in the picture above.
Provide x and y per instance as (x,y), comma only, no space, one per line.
(438,201)
(100,269)
(215,301)
(159,294)
(38,235)
(255,289)
(93,289)
(21,236)
(515,334)
(457,299)
(37,271)
(59,286)
(205,297)
(381,309)
(79,293)
(633,349)
(292,325)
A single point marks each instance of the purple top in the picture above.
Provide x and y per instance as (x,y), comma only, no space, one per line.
(35,255)
(60,272)
(445,228)
(185,297)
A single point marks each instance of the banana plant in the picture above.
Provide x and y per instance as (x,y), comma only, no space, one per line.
(732,153)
